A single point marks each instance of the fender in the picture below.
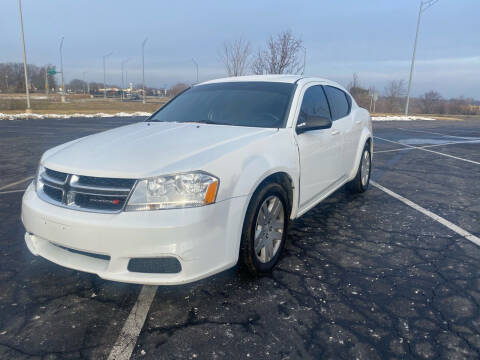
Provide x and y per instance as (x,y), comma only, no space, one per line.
(258,167)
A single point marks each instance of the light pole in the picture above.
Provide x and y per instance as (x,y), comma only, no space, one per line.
(196,66)
(24,57)
(84,82)
(143,67)
(104,75)
(61,69)
(424,6)
(123,83)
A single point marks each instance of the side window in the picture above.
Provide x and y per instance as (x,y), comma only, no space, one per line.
(314,103)
(339,102)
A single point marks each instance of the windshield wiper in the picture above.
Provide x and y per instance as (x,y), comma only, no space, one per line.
(206,121)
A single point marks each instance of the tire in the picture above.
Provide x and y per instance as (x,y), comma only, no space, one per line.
(362,179)
(271,236)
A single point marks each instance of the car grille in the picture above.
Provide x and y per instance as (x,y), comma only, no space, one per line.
(87,193)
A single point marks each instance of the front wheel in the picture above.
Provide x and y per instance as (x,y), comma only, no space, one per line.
(362,179)
(264,229)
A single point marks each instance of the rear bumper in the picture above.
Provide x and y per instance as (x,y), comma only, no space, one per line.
(205,240)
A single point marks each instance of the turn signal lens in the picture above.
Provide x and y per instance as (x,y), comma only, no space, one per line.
(211,193)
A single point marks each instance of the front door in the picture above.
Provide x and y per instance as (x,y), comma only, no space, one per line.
(321,158)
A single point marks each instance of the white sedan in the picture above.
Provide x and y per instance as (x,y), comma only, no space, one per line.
(209,180)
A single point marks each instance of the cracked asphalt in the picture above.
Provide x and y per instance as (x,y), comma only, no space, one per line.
(362,276)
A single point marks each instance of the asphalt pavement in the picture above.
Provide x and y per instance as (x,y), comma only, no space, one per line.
(363,276)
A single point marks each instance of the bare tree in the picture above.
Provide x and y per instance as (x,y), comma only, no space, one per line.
(394,92)
(430,102)
(77,85)
(359,93)
(177,89)
(235,56)
(283,55)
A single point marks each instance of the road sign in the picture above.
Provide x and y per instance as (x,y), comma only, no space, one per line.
(51,72)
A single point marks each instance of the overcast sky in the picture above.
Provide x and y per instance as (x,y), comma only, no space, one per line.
(373,38)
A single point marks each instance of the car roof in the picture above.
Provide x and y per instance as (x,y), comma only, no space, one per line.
(267,78)
(272,78)
(275,78)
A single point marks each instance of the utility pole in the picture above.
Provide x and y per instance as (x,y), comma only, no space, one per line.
(61,69)
(196,66)
(424,6)
(46,80)
(143,68)
(28,110)
(104,75)
(123,83)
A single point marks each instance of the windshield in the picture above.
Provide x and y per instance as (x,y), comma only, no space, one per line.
(255,104)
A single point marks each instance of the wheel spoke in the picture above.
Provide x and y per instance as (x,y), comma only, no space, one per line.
(275,236)
(276,207)
(269,250)
(260,244)
(277,224)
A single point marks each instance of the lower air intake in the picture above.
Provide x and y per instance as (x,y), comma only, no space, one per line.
(164,265)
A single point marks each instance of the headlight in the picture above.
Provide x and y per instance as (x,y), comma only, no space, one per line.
(173,192)
(38,181)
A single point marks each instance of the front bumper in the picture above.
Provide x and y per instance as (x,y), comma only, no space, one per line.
(205,240)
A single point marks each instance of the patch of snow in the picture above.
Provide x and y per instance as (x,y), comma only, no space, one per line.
(22,116)
(400,118)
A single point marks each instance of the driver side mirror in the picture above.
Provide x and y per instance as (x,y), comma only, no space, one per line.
(312,122)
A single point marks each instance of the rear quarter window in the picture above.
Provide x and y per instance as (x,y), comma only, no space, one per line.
(339,101)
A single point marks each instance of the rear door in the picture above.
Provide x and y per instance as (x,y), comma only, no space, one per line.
(320,151)
(340,106)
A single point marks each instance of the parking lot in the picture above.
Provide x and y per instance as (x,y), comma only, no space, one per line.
(392,273)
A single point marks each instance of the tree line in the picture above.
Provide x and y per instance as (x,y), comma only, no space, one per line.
(393,98)
(12,77)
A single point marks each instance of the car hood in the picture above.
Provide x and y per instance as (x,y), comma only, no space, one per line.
(150,148)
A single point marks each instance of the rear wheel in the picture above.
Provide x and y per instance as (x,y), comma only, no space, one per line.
(264,229)
(362,179)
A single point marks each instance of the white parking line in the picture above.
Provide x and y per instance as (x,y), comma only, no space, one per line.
(391,150)
(434,133)
(16,183)
(429,146)
(435,152)
(11,191)
(123,348)
(430,214)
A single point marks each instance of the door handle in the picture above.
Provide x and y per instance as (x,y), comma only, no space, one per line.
(335,132)
(358,121)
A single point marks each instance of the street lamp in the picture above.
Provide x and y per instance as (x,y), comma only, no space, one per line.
(143,67)
(104,75)
(196,66)
(61,69)
(424,6)
(123,83)
(24,57)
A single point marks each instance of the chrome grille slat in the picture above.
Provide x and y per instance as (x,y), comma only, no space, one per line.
(85,193)
(52,180)
(100,190)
